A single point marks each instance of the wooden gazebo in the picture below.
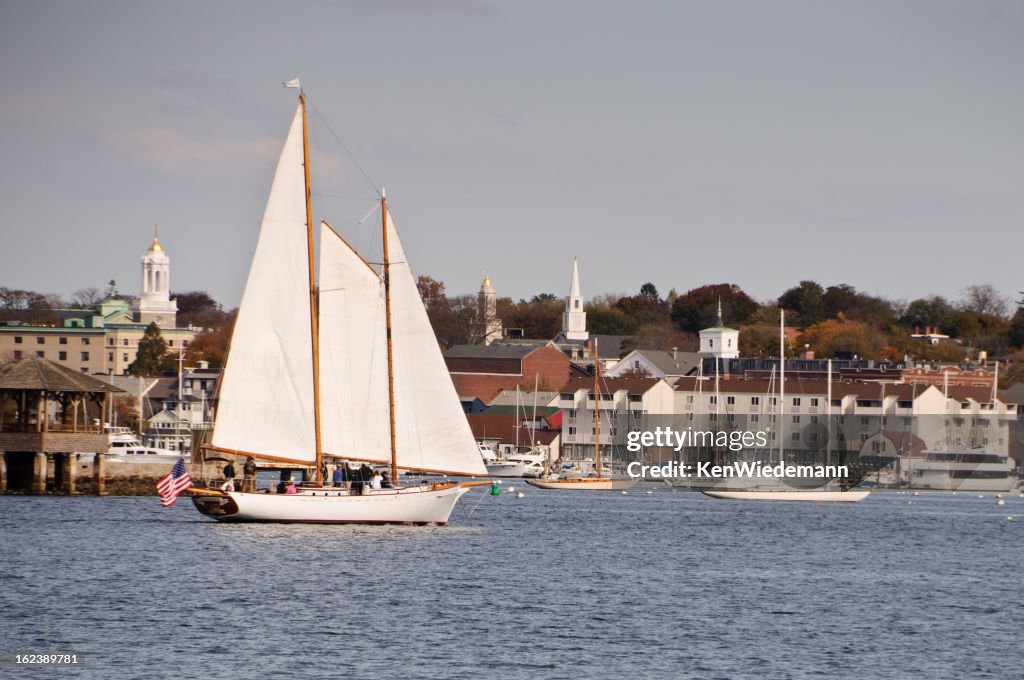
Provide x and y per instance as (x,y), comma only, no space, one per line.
(48,410)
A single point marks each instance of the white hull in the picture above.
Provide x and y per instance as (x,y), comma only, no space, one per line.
(412,505)
(852,496)
(584,484)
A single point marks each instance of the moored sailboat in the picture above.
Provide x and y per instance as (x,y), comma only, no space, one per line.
(599,482)
(349,368)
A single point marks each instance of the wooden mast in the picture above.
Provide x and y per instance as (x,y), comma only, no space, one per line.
(313,311)
(391,351)
(597,411)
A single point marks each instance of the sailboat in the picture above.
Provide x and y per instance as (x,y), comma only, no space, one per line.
(345,367)
(598,483)
(782,494)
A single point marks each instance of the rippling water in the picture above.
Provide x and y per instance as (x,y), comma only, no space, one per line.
(556,584)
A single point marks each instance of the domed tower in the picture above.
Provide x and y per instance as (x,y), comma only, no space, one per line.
(155,303)
(487,312)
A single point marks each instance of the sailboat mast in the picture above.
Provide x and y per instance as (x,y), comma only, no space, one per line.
(597,411)
(391,351)
(313,312)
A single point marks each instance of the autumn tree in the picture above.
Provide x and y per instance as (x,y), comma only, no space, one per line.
(697,309)
(983,300)
(807,300)
(934,311)
(841,335)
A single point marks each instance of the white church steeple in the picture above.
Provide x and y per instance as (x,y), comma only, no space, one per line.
(574,320)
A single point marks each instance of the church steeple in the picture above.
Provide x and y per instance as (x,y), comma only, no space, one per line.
(574,320)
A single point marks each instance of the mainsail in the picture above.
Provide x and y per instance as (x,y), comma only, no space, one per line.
(266,398)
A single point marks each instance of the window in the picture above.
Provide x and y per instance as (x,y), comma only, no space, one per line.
(711,342)
(730,400)
(713,399)
(773,401)
(755,418)
(63,341)
(111,341)
(17,339)
(17,354)
(689,399)
(755,401)
(124,357)
(572,413)
(41,354)
(877,446)
(572,430)
(796,419)
(110,356)
(795,437)
(125,342)
(85,356)
(40,340)
(576,303)
(85,369)
(62,356)
(814,401)
(85,341)
(796,401)
(837,402)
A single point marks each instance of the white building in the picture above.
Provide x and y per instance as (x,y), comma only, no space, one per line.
(574,319)
(155,303)
(719,341)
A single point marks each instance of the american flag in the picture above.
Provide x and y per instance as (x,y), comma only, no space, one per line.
(173,483)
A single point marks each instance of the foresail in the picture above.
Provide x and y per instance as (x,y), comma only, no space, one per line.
(266,397)
(430,427)
(353,355)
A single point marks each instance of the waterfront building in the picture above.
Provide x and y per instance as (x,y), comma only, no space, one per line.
(720,341)
(624,404)
(104,339)
(656,364)
(485,370)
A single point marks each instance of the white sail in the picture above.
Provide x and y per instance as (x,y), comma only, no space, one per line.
(353,355)
(430,428)
(266,398)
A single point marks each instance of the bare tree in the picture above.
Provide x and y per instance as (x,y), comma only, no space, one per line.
(984,299)
(84,298)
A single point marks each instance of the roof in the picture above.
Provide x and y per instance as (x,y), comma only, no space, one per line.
(35,373)
(610,345)
(511,398)
(612,385)
(524,411)
(503,429)
(683,363)
(1013,394)
(493,351)
(840,389)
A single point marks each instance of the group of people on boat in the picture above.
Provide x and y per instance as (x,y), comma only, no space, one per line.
(357,480)
(363,477)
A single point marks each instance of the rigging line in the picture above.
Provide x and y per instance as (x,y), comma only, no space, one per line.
(376,187)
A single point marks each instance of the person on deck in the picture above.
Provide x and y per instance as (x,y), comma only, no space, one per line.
(249,470)
(229,470)
(375,480)
(291,488)
(340,476)
(385,481)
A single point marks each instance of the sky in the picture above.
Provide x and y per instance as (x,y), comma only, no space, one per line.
(873,143)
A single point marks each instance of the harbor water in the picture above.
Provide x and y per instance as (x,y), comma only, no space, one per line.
(551,585)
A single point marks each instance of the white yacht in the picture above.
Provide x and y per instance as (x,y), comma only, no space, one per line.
(948,471)
(124,446)
(517,465)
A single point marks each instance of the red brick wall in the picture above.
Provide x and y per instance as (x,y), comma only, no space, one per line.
(548,363)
